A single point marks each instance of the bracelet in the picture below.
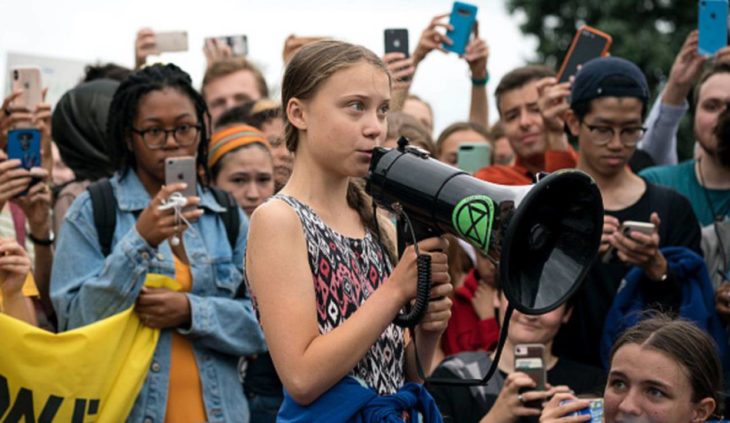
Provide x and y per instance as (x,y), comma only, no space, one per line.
(45,242)
(480,82)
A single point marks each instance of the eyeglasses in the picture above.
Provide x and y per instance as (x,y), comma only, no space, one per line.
(602,135)
(154,138)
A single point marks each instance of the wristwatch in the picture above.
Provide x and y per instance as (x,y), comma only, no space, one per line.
(45,242)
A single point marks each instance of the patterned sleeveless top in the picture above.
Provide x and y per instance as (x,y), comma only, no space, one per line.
(345,272)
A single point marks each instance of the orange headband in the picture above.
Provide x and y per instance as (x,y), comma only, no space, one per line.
(231,138)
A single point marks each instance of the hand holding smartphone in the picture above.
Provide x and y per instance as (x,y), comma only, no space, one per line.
(646,228)
(238,44)
(462,19)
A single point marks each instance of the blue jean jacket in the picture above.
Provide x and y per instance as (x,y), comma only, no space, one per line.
(86,287)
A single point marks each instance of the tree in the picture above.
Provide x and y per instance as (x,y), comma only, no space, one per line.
(647,32)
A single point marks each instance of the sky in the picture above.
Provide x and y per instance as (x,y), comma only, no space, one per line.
(104,31)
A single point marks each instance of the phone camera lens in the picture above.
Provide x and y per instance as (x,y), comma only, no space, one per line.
(15,74)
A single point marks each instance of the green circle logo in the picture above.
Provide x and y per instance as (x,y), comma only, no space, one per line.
(472,219)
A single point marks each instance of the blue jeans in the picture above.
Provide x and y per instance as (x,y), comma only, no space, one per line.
(264,408)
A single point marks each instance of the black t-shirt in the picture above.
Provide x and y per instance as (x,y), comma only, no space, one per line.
(459,404)
(580,338)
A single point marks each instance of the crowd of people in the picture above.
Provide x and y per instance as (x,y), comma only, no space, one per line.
(289,279)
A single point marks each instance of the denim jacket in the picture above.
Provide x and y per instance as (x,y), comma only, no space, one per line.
(86,287)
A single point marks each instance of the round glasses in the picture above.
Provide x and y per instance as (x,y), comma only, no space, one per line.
(154,138)
(602,135)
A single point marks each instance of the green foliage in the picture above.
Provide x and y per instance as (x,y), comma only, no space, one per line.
(647,32)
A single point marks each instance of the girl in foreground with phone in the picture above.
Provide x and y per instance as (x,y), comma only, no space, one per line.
(327,308)
(208,323)
(662,370)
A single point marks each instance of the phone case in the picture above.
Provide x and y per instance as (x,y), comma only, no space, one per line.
(712,26)
(25,145)
(463,17)
(643,227)
(473,156)
(588,43)
(181,169)
(529,360)
(172,41)
(27,79)
(396,40)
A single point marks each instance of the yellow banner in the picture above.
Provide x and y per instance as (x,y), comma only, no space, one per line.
(90,374)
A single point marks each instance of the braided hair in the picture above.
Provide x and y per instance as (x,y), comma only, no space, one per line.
(123,110)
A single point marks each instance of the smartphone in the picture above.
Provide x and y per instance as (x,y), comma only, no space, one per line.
(25,145)
(712,25)
(237,43)
(463,17)
(643,227)
(472,156)
(182,169)
(396,41)
(28,79)
(588,43)
(171,41)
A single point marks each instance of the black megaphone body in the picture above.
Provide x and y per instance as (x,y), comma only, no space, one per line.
(547,234)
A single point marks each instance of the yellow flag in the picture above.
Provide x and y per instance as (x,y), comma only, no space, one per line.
(90,374)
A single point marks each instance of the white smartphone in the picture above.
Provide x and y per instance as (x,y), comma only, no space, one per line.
(28,79)
(171,41)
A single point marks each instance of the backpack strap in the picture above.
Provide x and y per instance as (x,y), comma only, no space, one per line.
(104,205)
(231,218)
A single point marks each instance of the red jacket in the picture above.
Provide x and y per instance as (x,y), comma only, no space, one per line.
(517,174)
(466,332)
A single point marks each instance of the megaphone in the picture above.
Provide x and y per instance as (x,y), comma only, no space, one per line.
(547,234)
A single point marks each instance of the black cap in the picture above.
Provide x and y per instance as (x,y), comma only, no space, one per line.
(609,77)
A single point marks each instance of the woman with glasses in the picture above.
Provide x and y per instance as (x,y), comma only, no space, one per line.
(206,324)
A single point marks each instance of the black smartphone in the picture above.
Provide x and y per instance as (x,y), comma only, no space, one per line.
(588,43)
(396,40)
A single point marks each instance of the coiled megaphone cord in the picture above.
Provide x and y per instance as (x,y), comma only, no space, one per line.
(423,283)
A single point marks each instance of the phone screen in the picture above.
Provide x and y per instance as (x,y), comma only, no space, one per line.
(588,46)
(237,43)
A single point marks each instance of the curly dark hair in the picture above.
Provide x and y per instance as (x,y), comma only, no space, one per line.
(124,105)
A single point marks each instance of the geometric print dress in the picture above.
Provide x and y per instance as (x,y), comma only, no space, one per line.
(345,272)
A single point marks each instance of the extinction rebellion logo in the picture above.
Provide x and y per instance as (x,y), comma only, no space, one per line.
(472,218)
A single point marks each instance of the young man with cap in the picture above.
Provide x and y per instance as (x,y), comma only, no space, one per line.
(607,106)
(539,146)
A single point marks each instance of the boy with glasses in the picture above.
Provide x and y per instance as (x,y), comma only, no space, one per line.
(607,107)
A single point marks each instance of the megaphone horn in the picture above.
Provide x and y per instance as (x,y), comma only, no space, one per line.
(547,234)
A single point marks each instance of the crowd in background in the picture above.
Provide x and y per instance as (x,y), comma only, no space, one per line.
(288,279)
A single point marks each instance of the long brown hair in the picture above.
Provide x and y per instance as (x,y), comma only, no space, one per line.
(307,71)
